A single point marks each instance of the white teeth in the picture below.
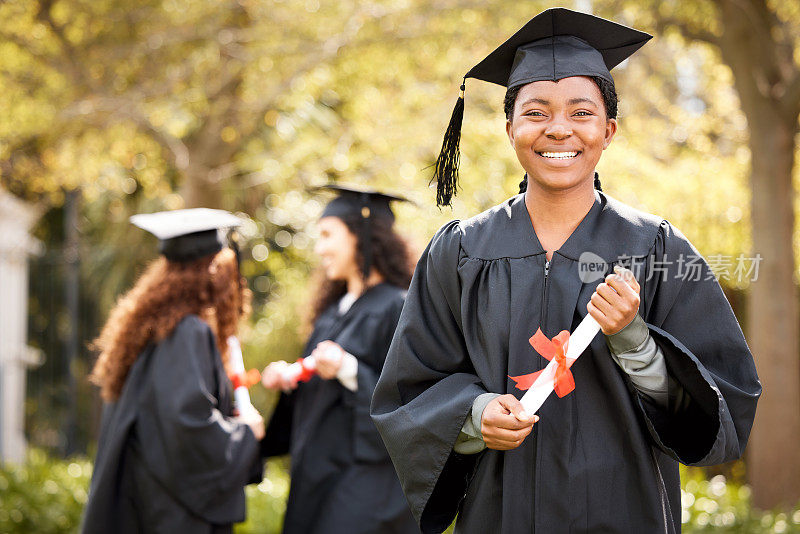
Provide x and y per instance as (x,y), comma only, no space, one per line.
(559,155)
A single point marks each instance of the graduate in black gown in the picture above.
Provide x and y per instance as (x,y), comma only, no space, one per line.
(670,378)
(172,457)
(342,480)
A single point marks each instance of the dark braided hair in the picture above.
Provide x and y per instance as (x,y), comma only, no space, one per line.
(610,101)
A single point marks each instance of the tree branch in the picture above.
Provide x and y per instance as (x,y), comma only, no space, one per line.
(328,50)
(118,109)
(44,15)
(27,48)
(693,33)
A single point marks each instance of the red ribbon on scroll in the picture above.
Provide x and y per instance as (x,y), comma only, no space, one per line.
(550,348)
(251,378)
(307,371)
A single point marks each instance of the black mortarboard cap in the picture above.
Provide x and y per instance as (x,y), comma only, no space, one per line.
(354,200)
(555,44)
(368,205)
(189,234)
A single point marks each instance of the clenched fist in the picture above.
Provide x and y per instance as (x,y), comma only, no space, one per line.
(615,302)
(505,424)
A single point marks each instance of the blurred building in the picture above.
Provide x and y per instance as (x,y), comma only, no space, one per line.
(16,245)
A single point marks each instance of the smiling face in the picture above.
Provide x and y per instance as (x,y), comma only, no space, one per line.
(559,130)
(336,247)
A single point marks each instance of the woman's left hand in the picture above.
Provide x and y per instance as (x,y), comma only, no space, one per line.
(328,358)
(615,302)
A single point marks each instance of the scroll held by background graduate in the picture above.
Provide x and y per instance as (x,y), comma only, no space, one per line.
(495,296)
(172,456)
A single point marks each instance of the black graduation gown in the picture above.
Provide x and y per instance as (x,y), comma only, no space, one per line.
(342,480)
(170,459)
(601,459)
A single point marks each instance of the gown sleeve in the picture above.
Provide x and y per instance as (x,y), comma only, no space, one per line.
(635,352)
(277,439)
(470,439)
(348,372)
(427,387)
(368,446)
(706,356)
(202,458)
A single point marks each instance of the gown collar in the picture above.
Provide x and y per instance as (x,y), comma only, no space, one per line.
(370,294)
(578,242)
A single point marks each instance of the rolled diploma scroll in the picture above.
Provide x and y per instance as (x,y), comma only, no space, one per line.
(543,386)
(296,369)
(240,394)
(307,364)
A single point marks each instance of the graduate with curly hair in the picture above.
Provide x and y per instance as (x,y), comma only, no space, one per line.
(172,457)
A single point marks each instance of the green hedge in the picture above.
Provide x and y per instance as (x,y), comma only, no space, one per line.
(46,495)
(717,506)
(266,502)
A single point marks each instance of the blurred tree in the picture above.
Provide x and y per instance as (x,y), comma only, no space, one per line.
(759,40)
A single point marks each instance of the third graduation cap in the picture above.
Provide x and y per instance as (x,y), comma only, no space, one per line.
(555,44)
(365,204)
(353,200)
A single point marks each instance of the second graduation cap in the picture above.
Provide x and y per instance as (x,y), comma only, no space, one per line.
(189,234)
(555,44)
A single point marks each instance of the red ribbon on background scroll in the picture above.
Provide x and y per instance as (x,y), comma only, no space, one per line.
(251,378)
(306,373)
(550,348)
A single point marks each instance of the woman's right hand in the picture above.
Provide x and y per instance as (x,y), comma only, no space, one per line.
(253,419)
(505,424)
(272,377)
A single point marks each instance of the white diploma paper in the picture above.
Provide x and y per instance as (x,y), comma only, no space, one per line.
(240,394)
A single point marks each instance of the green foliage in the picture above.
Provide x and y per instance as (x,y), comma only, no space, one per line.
(266,502)
(235,104)
(717,505)
(44,495)
(47,495)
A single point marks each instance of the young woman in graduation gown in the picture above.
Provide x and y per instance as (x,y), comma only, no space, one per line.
(342,480)
(669,380)
(171,456)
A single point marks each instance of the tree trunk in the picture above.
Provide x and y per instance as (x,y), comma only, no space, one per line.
(196,189)
(210,154)
(774,455)
(761,68)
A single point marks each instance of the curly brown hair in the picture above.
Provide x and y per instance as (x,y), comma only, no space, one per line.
(210,287)
(391,257)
